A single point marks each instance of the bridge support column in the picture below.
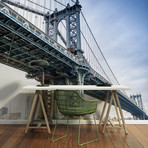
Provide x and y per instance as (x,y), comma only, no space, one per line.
(143,116)
(81,76)
(55,25)
(68,32)
(67,81)
(54,109)
(80,82)
(47,23)
(79,51)
(78,30)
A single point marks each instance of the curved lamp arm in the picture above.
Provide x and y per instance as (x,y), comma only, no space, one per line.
(41,64)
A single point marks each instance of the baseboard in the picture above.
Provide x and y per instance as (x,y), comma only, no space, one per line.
(60,122)
(136,121)
(73,122)
(13,121)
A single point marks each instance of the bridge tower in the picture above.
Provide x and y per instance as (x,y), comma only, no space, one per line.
(71,15)
(138,100)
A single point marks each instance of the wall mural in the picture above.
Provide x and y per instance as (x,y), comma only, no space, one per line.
(15,103)
(18,108)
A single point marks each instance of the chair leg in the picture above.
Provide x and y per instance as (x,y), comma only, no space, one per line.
(52,139)
(96,127)
(79,133)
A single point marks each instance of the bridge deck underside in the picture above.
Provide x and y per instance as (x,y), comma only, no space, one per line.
(19,46)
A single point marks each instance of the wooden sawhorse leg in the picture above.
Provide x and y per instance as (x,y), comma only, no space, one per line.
(38,95)
(114,97)
(104,107)
(121,113)
(107,114)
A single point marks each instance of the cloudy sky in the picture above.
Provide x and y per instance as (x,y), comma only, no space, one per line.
(121,29)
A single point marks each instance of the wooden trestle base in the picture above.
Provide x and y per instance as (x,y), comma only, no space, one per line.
(113,98)
(38,95)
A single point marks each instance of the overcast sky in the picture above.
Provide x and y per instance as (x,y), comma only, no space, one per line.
(121,29)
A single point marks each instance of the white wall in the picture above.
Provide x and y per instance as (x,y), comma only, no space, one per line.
(19,102)
(11,93)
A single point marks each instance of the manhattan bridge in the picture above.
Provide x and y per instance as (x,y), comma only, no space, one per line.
(56,31)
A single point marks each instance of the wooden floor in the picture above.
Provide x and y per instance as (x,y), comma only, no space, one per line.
(13,136)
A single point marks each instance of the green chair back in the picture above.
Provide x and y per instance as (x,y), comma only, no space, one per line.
(72,104)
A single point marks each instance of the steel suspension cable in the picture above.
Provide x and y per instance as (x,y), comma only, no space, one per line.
(99,47)
(95,56)
(40,5)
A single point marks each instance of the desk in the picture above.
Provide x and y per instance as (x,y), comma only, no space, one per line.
(111,91)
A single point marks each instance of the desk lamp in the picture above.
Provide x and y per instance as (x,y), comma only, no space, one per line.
(41,64)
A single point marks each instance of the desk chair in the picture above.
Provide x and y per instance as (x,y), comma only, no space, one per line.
(71,104)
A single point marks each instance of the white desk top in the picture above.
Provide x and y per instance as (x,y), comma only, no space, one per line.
(76,87)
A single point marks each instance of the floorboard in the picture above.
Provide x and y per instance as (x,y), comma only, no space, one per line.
(137,132)
(13,136)
(116,138)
